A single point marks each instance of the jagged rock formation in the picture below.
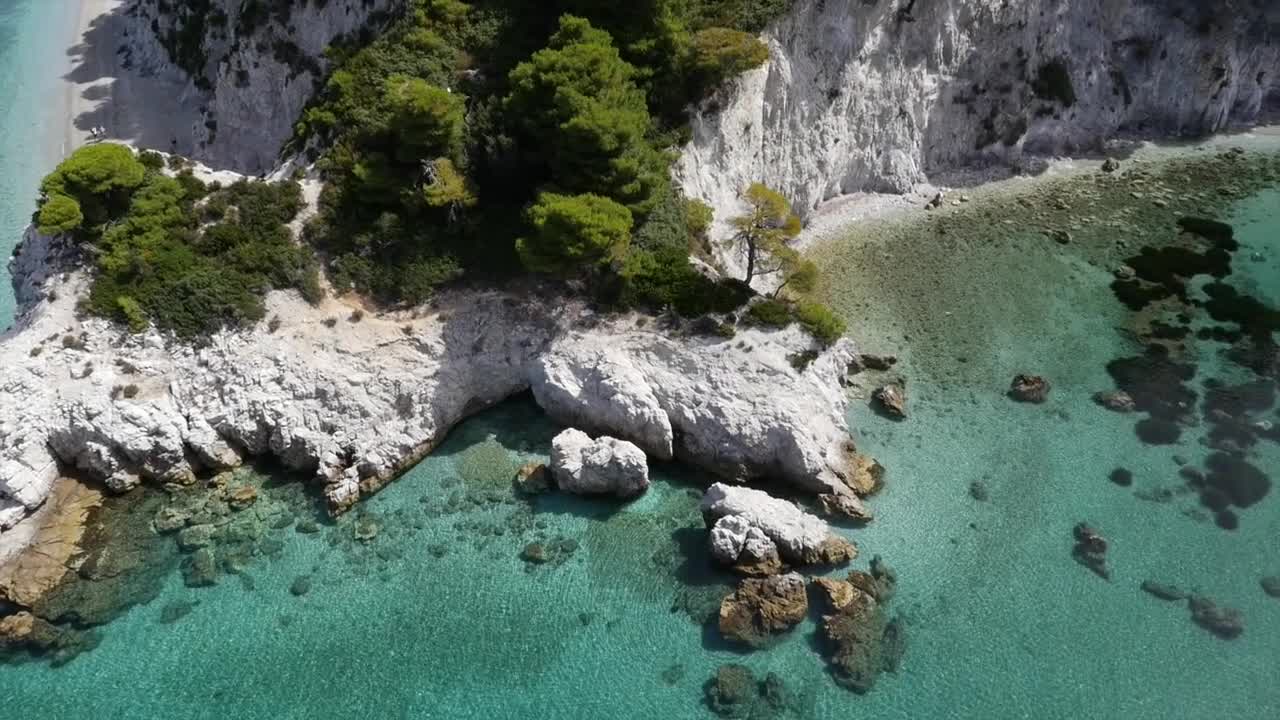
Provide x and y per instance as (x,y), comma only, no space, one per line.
(800,538)
(876,95)
(357,402)
(250,71)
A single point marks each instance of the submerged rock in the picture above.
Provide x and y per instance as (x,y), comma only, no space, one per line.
(1271,585)
(1091,550)
(1163,591)
(763,607)
(978,491)
(801,538)
(1226,623)
(860,640)
(1116,401)
(1029,389)
(1121,477)
(300,586)
(175,611)
(24,632)
(732,693)
(1110,165)
(891,399)
(242,497)
(604,466)
(201,569)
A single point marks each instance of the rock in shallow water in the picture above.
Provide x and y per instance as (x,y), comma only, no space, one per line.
(1116,401)
(1227,623)
(533,478)
(604,466)
(763,607)
(891,400)
(801,538)
(1029,389)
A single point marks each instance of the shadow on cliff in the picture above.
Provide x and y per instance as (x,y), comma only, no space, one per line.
(147,111)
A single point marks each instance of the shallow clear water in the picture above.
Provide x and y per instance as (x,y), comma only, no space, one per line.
(34,36)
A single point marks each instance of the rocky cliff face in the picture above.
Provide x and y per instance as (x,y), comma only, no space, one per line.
(356,399)
(875,95)
(253,71)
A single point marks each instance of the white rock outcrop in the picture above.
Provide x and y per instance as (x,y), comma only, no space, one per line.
(800,537)
(604,466)
(250,76)
(356,403)
(877,95)
(734,541)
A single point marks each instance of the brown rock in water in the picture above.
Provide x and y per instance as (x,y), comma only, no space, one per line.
(854,634)
(1110,165)
(861,641)
(762,607)
(535,553)
(242,497)
(879,363)
(837,593)
(25,632)
(844,505)
(1029,388)
(533,478)
(60,528)
(867,476)
(835,550)
(1117,401)
(892,400)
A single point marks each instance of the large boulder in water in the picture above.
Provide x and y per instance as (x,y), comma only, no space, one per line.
(762,607)
(861,642)
(605,466)
(802,538)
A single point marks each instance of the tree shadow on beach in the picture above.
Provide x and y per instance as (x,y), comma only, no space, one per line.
(112,92)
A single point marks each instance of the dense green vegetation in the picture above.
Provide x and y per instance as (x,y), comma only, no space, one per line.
(500,137)
(170,250)
(479,140)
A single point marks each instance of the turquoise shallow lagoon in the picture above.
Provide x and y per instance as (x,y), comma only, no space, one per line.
(438,617)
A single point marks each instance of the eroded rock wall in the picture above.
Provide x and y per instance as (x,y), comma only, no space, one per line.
(252,73)
(875,95)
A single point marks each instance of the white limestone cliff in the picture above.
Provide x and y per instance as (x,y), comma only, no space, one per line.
(878,95)
(356,403)
(251,75)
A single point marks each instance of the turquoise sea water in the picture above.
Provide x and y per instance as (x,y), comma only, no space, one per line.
(34,35)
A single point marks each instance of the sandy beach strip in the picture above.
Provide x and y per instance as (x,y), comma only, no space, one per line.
(96,60)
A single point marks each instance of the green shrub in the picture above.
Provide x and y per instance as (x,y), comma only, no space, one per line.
(151,160)
(100,178)
(770,312)
(59,214)
(574,233)
(820,321)
(721,53)
(660,279)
